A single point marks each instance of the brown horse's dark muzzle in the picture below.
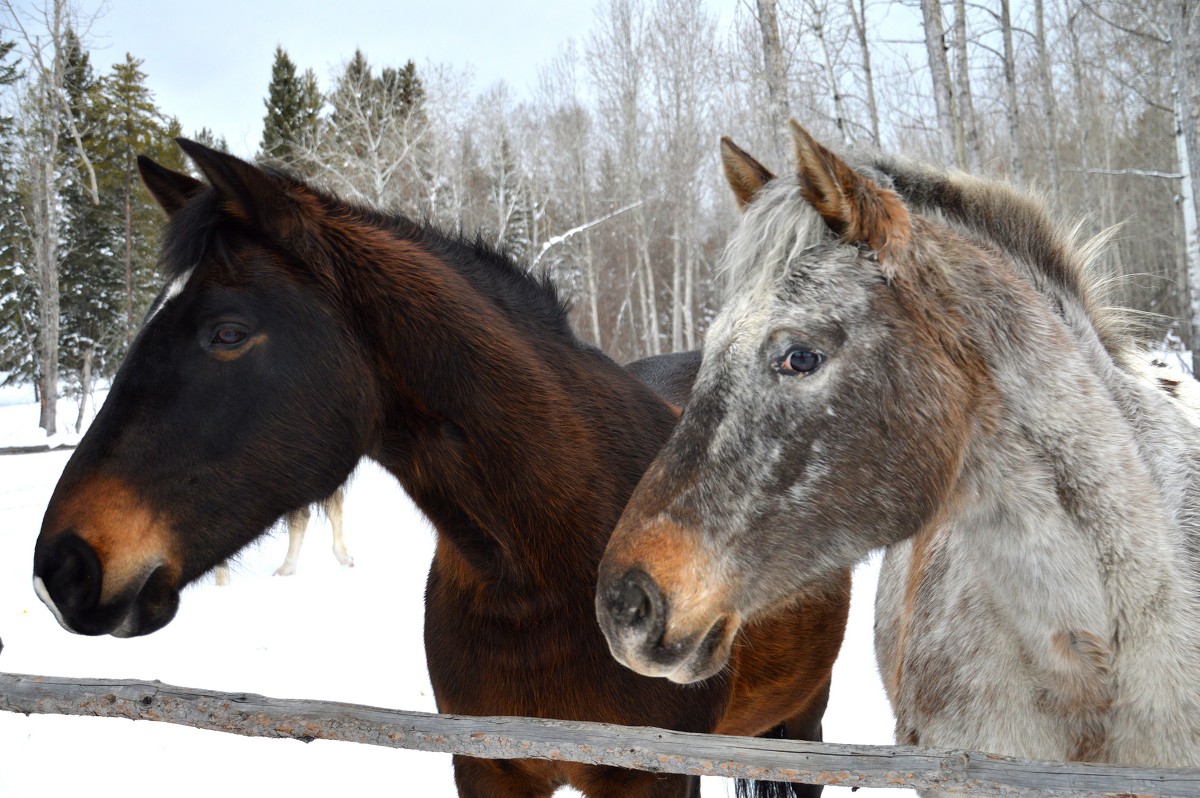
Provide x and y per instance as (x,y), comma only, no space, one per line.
(69,578)
(105,562)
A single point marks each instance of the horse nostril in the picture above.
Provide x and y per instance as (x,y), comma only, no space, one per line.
(636,602)
(71,573)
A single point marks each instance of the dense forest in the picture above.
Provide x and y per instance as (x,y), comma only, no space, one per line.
(604,176)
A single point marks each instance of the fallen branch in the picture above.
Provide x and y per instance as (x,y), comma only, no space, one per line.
(655,750)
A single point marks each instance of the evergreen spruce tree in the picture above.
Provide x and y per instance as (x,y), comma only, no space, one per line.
(109,249)
(18,295)
(136,129)
(89,267)
(411,90)
(206,137)
(293,103)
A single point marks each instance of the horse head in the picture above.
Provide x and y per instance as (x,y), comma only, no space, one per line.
(826,419)
(242,397)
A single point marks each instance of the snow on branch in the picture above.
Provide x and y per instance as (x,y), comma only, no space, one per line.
(655,750)
(1138,172)
(561,237)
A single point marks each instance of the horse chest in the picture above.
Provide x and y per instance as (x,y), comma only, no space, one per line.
(960,671)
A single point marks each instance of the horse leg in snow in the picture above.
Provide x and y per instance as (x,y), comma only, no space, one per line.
(333,509)
(297,522)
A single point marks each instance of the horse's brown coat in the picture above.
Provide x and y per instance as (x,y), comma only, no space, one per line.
(373,336)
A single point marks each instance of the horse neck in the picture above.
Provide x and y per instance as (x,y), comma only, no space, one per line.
(521,444)
(1075,495)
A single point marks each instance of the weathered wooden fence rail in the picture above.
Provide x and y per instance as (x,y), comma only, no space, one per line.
(597,743)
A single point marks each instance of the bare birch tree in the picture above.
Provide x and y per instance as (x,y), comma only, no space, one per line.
(1049,104)
(1185,61)
(370,145)
(858,18)
(683,38)
(965,107)
(939,70)
(45,114)
(1011,111)
(617,60)
(817,21)
(775,74)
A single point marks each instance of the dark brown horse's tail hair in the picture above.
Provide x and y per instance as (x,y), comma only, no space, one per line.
(744,788)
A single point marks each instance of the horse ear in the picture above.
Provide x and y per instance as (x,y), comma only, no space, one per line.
(855,207)
(268,202)
(745,175)
(170,189)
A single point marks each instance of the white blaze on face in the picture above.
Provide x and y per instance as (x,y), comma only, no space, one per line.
(174,289)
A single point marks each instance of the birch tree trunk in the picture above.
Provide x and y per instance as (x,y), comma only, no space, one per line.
(47,113)
(817,9)
(1011,113)
(677,268)
(776,75)
(858,17)
(689,298)
(650,286)
(1082,101)
(1184,54)
(966,109)
(1050,107)
(44,224)
(85,388)
(939,70)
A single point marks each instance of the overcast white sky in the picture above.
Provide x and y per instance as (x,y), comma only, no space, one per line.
(209,62)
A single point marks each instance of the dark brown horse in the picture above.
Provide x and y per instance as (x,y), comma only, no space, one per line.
(298,333)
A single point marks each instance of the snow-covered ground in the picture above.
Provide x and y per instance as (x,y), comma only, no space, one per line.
(346,634)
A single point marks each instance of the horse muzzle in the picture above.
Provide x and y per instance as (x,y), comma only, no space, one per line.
(68,577)
(661,604)
(635,618)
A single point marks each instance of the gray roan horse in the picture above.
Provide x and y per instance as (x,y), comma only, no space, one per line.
(915,360)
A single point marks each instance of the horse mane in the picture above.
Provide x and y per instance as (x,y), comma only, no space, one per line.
(201,228)
(780,224)
(1062,264)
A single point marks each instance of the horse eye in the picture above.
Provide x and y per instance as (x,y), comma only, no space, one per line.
(801,361)
(228,335)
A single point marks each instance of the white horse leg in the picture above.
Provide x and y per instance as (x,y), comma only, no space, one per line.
(297,522)
(333,509)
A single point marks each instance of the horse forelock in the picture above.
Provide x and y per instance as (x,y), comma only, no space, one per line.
(776,227)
